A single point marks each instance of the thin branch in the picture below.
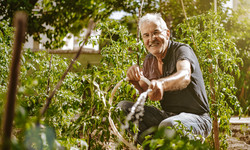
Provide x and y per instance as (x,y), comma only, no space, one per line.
(138,30)
(48,84)
(215,6)
(192,37)
(20,23)
(139,17)
(48,100)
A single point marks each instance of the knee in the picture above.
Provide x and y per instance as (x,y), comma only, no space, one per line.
(120,104)
(125,105)
(169,133)
(167,123)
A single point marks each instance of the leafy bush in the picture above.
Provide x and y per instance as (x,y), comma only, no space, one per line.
(79,109)
(219,62)
(175,138)
(6,37)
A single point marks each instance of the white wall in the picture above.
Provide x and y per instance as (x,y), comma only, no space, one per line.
(72,42)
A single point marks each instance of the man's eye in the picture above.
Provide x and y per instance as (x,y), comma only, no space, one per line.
(156,32)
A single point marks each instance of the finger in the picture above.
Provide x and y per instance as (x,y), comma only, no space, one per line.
(138,72)
(137,77)
(132,74)
(151,93)
(129,74)
(141,73)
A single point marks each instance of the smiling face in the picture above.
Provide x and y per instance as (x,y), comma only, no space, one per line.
(155,38)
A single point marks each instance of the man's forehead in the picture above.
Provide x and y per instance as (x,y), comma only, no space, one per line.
(149,25)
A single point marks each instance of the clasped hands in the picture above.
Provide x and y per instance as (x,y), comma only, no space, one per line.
(134,73)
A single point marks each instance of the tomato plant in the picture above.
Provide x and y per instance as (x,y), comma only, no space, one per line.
(219,61)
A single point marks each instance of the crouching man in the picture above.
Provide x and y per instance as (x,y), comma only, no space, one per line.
(176,81)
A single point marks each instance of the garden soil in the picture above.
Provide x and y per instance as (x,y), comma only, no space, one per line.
(240,139)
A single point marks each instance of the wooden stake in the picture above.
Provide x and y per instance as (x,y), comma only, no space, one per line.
(20,22)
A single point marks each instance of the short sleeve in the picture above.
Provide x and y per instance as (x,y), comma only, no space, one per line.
(186,53)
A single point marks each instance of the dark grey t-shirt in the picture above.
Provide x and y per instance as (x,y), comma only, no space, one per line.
(192,99)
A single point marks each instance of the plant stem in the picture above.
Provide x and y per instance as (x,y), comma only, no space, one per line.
(215,121)
(138,31)
(192,37)
(48,84)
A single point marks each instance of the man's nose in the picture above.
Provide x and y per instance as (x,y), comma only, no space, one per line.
(152,37)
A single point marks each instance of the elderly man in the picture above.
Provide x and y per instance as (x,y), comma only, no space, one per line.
(176,81)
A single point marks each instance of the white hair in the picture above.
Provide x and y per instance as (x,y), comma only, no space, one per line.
(153,17)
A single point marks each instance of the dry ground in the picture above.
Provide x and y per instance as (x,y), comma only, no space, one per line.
(240,139)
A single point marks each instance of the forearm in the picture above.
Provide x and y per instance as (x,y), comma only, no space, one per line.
(177,81)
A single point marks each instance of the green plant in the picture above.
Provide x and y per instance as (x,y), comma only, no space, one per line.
(238,26)
(175,138)
(219,62)
(6,38)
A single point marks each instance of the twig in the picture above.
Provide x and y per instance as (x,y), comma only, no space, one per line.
(48,100)
(48,84)
(192,37)
(139,17)
(20,22)
(138,31)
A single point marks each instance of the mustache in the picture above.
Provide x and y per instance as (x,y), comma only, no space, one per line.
(153,42)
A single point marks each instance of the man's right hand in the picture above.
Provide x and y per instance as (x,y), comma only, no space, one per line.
(134,73)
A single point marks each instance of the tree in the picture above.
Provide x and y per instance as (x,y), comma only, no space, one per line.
(57,18)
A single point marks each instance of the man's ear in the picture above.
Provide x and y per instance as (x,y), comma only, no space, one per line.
(168,34)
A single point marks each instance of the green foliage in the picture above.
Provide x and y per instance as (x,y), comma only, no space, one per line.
(238,26)
(6,36)
(57,18)
(78,114)
(219,61)
(176,138)
(171,11)
(79,109)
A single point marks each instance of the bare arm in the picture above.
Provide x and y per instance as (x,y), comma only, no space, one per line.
(177,81)
(180,79)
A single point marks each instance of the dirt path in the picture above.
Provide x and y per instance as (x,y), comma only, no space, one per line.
(240,139)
